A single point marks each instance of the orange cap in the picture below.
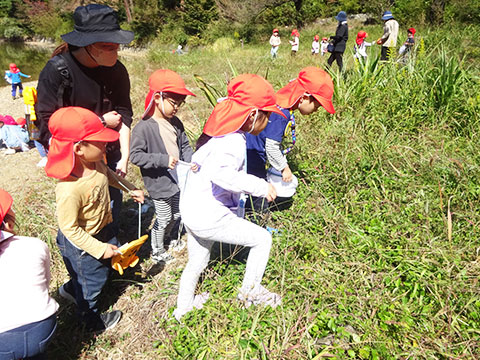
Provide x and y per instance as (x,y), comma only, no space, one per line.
(275,30)
(164,80)
(246,93)
(311,80)
(21,121)
(361,37)
(316,37)
(6,202)
(295,33)
(69,125)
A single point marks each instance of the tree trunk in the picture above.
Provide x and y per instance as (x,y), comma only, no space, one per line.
(127,11)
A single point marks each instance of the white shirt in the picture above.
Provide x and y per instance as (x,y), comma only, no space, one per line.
(213,192)
(315,47)
(324,46)
(295,43)
(24,281)
(361,50)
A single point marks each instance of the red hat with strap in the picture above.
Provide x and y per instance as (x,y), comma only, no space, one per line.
(412,31)
(311,80)
(6,202)
(361,37)
(316,37)
(68,126)
(246,93)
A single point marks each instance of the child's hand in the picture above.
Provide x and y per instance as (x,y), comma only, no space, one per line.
(110,251)
(112,119)
(137,195)
(272,193)
(172,162)
(379,41)
(287,174)
(194,167)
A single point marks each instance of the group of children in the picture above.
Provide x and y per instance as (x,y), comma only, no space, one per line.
(321,47)
(209,199)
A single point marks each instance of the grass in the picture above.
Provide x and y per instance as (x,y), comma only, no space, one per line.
(378,257)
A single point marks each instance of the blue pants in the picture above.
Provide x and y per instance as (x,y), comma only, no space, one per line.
(14,89)
(88,275)
(29,341)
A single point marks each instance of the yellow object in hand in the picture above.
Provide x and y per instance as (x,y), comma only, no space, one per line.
(128,255)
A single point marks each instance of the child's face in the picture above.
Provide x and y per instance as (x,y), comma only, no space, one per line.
(260,123)
(308,105)
(409,34)
(91,151)
(171,103)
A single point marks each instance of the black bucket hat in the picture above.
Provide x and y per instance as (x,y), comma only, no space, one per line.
(96,23)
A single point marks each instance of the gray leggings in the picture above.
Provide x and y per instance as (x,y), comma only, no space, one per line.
(231,230)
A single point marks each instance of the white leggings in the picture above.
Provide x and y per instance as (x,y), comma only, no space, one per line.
(231,230)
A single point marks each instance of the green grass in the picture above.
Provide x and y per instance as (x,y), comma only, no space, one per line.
(365,262)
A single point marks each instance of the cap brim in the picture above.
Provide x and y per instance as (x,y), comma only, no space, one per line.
(327,104)
(149,98)
(105,135)
(6,202)
(82,39)
(387,17)
(275,109)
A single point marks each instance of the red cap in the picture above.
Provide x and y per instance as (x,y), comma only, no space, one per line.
(316,37)
(311,80)
(324,38)
(361,37)
(246,93)
(69,125)
(412,31)
(13,68)
(295,32)
(6,202)
(164,80)
(21,121)
(275,30)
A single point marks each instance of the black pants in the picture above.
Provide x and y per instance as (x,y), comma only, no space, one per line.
(338,56)
(386,53)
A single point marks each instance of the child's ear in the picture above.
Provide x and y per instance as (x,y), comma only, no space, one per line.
(157,98)
(77,149)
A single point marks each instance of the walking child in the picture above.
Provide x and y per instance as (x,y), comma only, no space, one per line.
(14,75)
(407,46)
(295,42)
(316,45)
(212,197)
(311,89)
(275,43)
(85,236)
(360,46)
(158,143)
(324,46)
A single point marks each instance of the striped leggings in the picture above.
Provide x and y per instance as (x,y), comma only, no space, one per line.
(167,213)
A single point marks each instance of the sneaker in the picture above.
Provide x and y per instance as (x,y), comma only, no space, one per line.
(42,162)
(198,302)
(163,258)
(10,152)
(177,245)
(260,297)
(62,291)
(110,319)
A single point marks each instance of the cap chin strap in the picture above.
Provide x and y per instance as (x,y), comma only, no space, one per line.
(254,121)
(163,106)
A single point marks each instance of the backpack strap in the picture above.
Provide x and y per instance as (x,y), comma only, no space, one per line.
(62,68)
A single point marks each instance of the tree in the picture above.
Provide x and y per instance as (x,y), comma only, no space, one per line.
(197,14)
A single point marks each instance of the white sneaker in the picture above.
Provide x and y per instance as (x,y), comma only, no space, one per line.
(198,302)
(164,258)
(177,245)
(42,162)
(261,296)
(10,152)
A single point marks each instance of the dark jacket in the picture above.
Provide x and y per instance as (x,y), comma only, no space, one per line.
(340,38)
(148,152)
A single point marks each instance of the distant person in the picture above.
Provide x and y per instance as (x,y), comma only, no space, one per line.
(324,46)
(311,89)
(159,141)
(15,77)
(389,37)
(85,237)
(407,46)
(179,50)
(295,43)
(361,45)
(316,45)
(211,204)
(339,41)
(94,79)
(275,43)
(28,317)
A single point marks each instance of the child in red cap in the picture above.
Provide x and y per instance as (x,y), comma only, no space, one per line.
(316,45)
(275,43)
(313,88)
(85,236)
(407,46)
(324,46)
(212,197)
(360,46)
(27,311)
(295,42)
(158,143)
(13,76)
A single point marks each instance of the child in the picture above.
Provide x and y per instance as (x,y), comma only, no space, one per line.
(275,43)
(14,75)
(408,44)
(313,88)
(27,311)
(295,42)
(315,45)
(212,195)
(158,142)
(85,236)
(14,137)
(360,46)
(324,46)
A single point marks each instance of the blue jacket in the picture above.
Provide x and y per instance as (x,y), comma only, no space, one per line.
(16,76)
(13,135)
